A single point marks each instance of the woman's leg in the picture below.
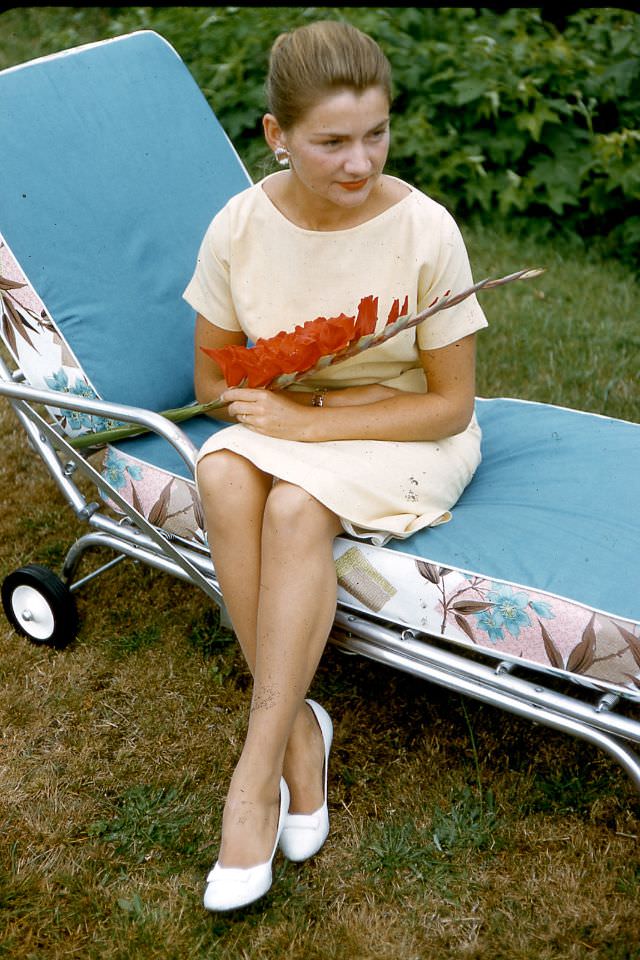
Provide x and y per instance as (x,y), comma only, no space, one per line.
(296,607)
(234,495)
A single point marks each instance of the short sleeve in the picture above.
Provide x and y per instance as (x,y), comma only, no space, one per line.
(209,290)
(451,271)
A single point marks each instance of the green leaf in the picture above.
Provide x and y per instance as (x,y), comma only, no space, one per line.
(534,121)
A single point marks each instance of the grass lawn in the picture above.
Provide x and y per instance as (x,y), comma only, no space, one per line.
(457,831)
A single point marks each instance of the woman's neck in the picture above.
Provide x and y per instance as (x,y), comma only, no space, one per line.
(310,213)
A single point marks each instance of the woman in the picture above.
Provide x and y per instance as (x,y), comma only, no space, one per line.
(365,448)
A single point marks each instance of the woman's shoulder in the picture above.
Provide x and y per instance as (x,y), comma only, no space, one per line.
(241,201)
(235,214)
(419,201)
(394,190)
(427,212)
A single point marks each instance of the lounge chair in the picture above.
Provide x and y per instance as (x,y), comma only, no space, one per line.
(113,166)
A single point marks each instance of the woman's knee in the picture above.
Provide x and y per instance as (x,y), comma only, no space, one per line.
(220,469)
(290,510)
(230,486)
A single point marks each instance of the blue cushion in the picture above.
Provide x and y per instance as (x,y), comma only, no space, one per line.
(112,168)
(157,452)
(552,505)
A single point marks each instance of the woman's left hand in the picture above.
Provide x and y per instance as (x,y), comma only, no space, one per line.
(268,412)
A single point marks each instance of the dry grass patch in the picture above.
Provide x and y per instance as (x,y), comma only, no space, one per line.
(114,779)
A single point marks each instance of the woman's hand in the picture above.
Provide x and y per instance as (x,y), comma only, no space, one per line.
(269,412)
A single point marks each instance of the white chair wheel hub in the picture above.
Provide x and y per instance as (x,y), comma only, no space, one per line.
(32,609)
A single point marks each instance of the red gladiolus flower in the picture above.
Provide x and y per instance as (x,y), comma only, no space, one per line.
(396,312)
(297,354)
(260,369)
(297,351)
(367,317)
(292,354)
(231,362)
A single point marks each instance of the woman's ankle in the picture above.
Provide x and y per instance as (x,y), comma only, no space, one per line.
(304,764)
(248,830)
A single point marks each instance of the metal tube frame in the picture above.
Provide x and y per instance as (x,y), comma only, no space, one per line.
(491,685)
(354,633)
(63,461)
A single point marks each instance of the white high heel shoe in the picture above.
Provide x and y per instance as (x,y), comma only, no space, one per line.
(231,887)
(304,833)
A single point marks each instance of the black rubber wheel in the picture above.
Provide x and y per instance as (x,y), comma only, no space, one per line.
(39,606)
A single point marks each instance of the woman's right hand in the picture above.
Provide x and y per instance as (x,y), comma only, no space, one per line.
(270,412)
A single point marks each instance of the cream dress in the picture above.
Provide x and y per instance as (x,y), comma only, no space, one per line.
(260,273)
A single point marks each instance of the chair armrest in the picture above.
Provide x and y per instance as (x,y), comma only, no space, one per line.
(147,419)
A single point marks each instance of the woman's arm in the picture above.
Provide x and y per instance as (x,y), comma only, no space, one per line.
(208,380)
(346,396)
(444,411)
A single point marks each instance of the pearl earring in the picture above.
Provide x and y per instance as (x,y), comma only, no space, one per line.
(282,156)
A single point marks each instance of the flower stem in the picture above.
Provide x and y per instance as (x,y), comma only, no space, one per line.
(178,414)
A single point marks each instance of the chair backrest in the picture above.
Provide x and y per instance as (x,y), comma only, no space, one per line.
(113,165)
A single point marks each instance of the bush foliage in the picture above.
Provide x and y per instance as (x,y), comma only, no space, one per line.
(502,114)
(517,114)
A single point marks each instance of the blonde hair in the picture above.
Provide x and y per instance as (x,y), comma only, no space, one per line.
(312,61)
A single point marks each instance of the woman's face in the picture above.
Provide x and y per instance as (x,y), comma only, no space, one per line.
(338,150)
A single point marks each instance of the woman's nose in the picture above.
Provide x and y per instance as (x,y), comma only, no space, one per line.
(358,160)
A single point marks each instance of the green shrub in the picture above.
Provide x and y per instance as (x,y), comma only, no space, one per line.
(503,114)
(499,114)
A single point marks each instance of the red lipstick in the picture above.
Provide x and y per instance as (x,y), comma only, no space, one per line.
(354,184)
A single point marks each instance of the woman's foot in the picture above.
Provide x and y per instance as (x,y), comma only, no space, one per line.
(231,887)
(249,824)
(304,763)
(305,833)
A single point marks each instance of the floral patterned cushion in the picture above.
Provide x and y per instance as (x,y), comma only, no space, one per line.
(47,362)
(506,620)
(167,500)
